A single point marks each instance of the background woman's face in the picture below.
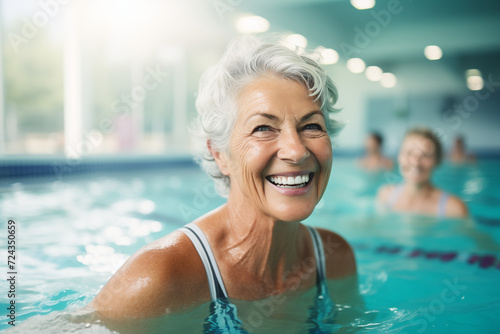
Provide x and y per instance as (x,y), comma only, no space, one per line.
(371,144)
(417,158)
(280,154)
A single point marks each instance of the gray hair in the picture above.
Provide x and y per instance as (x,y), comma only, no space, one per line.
(247,59)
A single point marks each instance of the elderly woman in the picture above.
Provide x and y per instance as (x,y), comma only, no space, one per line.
(420,154)
(263,122)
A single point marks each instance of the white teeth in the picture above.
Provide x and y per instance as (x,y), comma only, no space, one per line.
(298,181)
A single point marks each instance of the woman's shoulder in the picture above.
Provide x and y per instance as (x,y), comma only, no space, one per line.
(165,275)
(455,207)
(385,191)
(339,256)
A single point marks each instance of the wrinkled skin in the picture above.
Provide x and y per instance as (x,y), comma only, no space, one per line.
(280,130)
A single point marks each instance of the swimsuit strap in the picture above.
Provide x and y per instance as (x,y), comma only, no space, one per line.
(442,204)
(215,283)
(396,192)
(200,242)
(319,254)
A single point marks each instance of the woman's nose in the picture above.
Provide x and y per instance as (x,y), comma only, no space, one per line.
(292,149)
(415,158)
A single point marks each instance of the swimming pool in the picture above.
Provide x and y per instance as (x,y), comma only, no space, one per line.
(416,274)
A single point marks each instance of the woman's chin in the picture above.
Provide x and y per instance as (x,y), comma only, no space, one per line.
(416,179)
(292,218)
(292,214)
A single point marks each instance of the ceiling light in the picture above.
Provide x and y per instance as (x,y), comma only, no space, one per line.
(388,80)
(252,24)
(474,79)
(296,41)
(475,82)
(373,73)
(433,52)
(356,65)
(472,72)
(328,56)
(363,4)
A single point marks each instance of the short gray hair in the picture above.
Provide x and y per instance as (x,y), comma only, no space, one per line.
(247,59)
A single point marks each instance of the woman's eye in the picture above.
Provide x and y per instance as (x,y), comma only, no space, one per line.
(313,126)
(262,128)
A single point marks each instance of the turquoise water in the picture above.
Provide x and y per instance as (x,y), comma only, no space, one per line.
(416,274)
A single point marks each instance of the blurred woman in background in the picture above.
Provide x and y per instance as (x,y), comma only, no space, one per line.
(459,154)
(420,154)
(374,159)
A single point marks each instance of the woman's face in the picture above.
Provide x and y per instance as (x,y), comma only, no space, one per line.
(280,153)
(372,144)
(417,158)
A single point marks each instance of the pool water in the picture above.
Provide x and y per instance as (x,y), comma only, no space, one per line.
(416,274)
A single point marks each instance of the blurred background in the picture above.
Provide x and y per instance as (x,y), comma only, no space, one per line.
(110,85)
(105,78)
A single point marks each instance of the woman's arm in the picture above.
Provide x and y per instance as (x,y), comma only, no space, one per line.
(164,276)
(455,207)
(382,198)
(339,256)
(342,277)
(383,193)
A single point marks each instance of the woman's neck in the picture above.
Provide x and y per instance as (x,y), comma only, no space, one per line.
(257,242)
(374,154)
(419,189)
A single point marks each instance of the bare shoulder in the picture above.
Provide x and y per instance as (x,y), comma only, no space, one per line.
(164,276)
(340,260)
(455,207)
(384,192)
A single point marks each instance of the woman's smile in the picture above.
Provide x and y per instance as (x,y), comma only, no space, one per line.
(280,153)
(291,180)
(291,184)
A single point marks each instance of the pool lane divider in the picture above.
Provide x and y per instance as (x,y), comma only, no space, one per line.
(483,261)
(21,169)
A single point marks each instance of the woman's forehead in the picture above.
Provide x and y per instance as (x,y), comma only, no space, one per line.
(273,86)
(419,142)
(275,95)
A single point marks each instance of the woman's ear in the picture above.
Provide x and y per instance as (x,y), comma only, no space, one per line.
(220,159)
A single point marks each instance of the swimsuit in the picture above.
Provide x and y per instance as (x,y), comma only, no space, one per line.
(223,317)
(398,189)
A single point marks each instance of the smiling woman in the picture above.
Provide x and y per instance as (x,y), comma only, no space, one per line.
(279,137)
(264,130)
(419,155)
